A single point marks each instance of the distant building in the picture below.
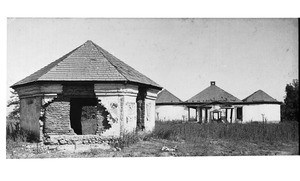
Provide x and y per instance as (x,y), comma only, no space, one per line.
(215,104)
(260,107)
(169,107)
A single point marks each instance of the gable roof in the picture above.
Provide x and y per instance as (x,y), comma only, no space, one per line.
(165,97)
(260,96)
(88,62)
(212,94)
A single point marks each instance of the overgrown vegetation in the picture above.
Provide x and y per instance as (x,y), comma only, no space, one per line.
(256,132)
(126,140)
(16,134)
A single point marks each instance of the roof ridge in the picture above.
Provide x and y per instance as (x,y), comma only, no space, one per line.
(173,95)
(62,58)
(166,96)
(101,49)
(198,93)
(128,70)
(263,93)
(227,92)
(249,96)
(50,66)
(207,89)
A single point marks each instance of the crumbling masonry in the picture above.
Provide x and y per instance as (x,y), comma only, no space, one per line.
(62,104)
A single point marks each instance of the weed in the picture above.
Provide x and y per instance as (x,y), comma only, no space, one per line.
(125,140)
(189,131)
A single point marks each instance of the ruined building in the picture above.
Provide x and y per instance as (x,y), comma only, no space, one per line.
(86,92)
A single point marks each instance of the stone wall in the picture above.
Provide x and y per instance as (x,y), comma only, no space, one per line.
(77,140)
(73,139)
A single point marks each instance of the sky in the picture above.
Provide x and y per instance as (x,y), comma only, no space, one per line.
(182,55)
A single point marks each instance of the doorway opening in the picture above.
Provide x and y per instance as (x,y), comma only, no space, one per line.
(239,113)
(140,101)
(84,115)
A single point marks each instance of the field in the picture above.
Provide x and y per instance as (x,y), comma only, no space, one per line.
(178,139)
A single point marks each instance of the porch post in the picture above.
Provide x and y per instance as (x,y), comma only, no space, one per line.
(188,113)
(200,115)
(206,115)
(196,110)
(231,112)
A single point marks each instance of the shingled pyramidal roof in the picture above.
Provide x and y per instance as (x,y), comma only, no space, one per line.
(88,62)
(165,97)
(213,94)
(260,96)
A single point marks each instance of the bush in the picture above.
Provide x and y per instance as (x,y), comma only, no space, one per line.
(16,134)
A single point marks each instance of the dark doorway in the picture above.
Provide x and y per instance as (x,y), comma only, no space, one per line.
(140,100)
(239,113)
(83,115)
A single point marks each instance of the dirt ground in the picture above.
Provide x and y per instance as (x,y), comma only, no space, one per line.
(152,148)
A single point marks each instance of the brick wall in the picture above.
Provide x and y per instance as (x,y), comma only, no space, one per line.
(57,120)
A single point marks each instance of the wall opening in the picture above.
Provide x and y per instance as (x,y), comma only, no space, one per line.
(83,115)
(140,101)
(239,113)
(88,117)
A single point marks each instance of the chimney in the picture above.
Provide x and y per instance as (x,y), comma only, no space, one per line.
(212,82)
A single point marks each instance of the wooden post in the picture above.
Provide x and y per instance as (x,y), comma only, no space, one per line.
(200,115)
(205,110)
(206,115)
(231,112)
(188,113)
(196,114)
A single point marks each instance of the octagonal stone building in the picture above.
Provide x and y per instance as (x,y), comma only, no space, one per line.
(88,91)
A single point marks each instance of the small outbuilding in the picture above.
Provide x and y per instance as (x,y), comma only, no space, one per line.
(88,91)
(169,107)
(261,107)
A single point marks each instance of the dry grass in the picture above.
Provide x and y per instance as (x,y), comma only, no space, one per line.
(189,139)
(191,131)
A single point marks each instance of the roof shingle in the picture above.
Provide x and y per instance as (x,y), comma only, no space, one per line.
(260,96)
(88,62)
(213,94)
(165,97)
